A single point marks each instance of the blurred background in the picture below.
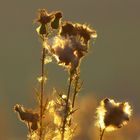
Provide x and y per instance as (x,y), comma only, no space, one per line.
(110,70)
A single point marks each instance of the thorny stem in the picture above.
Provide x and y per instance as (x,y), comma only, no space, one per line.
(75,90)
(42,90)
(75,93)
(102,133)
(66,113)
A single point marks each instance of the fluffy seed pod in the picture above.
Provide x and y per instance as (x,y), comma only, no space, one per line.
(68,51)
(82,31)
(112,115)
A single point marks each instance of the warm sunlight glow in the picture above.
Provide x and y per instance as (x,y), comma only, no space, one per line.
(40,79)
(112,115)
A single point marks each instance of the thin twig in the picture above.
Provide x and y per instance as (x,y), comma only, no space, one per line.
(74,94)
(42,90)
(66,113)
(75,90)
(37,96)
(45,105)
(101,134)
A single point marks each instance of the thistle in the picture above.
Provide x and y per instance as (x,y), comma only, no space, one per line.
(68,44)
(84,32)
(44,19)
(112,116)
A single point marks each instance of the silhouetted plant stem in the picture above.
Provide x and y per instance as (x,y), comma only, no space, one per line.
(42,90)
(101,134)
(75,89)
(74,94)
(66,113)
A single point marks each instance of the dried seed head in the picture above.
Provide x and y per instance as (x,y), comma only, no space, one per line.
(56,22)
(44,17)
(68,51)
(58,14)
(68,29)
(83,31)
(112,115)
(27,116)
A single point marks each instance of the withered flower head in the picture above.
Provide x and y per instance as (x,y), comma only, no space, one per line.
(68,51)
(68,29)
(27,116)
(83,31)
(58,14)
(56,22)
(43,18)
(112,115)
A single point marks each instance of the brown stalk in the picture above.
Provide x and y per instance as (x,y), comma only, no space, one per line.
(74,94)
(42,90)
(102,133)
(66,114)
(75,90)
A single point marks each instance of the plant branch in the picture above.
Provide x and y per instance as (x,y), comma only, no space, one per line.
(102,133)
(75,90)
(66,111)
(42,89)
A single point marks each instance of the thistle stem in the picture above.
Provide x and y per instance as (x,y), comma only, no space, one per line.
(66,113)
(74,95)
(42,90)
(102,134)
(75,91)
